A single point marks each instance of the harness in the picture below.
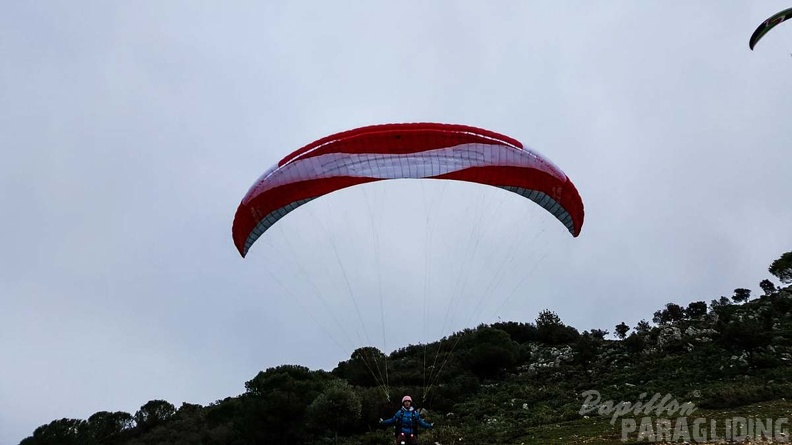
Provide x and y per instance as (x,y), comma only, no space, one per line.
(398,424)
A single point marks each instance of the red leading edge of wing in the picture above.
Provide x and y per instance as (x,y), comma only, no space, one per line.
(391,138)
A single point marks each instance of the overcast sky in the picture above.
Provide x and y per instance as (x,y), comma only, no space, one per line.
(131,131)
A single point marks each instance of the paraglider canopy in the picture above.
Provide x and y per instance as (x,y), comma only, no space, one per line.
(773,21)
(469,272)
(404,151)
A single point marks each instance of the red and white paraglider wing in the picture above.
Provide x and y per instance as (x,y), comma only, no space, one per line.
(404,151)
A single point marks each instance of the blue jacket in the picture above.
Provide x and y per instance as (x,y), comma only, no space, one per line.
(408,418)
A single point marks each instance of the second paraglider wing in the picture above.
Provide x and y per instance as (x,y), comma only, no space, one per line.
(773,21)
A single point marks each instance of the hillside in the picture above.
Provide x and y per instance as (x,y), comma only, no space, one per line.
(726,362)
